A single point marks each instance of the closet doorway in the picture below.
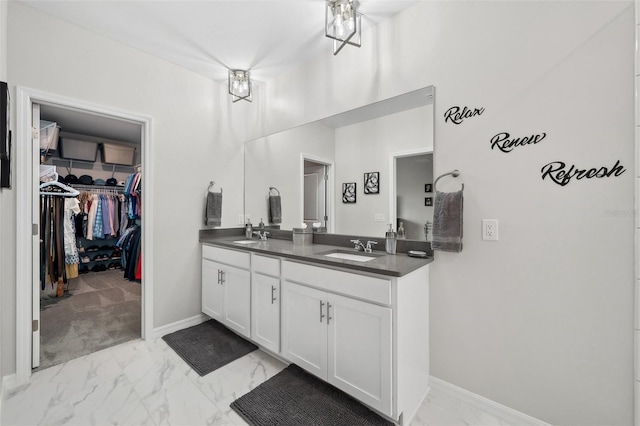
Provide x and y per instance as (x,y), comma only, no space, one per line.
(108,300)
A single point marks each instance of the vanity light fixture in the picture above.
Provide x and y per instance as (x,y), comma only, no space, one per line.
(240,85)
(342,23)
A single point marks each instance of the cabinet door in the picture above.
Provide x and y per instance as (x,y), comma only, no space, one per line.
(265,311)
(237,291)
(212,290)
(359,345)
(304,328)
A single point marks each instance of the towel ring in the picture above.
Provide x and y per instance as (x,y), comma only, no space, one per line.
(454,173)
(273,188)
(211,184)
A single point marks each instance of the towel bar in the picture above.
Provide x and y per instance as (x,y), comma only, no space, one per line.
(454,173)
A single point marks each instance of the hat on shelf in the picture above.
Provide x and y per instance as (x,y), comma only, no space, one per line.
(99,182)
(112,182)
(85,180)
(71,179)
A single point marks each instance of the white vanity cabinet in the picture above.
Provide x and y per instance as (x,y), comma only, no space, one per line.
(265,301)
(344,341)
(365,334)
(226,288)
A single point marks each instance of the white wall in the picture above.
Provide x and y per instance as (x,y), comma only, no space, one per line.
(366,147)
(542,320)
(194,140)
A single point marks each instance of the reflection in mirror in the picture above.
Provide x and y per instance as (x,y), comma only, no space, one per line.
(384,138)
(414,194)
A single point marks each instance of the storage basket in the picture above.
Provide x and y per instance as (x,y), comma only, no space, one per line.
(75,148)
(49,132)
(302,236)
(118,154)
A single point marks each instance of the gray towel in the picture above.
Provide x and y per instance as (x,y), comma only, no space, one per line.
(275,209)
(213,214)
(447,221)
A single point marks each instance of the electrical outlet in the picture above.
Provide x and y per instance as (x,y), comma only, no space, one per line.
(490,229)
(378,217)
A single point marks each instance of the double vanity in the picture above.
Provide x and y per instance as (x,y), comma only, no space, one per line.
(356,320)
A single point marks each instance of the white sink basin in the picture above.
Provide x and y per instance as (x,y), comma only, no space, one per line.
(350,256)
(246,242)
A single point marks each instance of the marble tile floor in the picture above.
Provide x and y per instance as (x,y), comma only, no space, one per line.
(147,383)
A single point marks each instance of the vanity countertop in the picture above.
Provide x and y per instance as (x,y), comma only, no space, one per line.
(395,265)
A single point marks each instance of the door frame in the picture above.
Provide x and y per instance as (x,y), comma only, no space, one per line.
(26,175)
(330,208)
(393,206)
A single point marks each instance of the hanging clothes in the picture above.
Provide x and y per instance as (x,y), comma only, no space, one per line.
(130,242)
(52,246)
(72,258)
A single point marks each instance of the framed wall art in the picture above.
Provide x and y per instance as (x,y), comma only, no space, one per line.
(372,183)
(5,137)
(428,201)
(349,193)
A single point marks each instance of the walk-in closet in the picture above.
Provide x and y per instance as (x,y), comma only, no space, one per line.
(90,218)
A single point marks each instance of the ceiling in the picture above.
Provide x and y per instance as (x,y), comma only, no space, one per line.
(211,36)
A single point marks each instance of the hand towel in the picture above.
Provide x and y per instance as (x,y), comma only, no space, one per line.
(213,214)
(447,221)
(275,209)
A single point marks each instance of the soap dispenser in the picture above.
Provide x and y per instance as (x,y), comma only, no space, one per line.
(390,243)
(401,233)
(248,230)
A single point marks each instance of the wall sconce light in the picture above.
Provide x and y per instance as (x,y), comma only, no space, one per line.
(342,23)
(240,85)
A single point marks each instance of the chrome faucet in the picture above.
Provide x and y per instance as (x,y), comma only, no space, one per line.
(361,247)
(368,248)
(358,245)
(262,235)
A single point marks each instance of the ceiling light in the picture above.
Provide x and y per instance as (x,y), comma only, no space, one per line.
(342,23)
(240,85)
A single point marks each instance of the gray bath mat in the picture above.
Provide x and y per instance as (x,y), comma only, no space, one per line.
(294,397)
(208,346)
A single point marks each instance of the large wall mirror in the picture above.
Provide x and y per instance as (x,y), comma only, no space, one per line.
(353,173)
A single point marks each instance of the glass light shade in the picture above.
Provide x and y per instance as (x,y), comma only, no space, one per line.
(342,24)
(240,85)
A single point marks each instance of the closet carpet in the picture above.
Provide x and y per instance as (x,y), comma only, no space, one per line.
(98,310)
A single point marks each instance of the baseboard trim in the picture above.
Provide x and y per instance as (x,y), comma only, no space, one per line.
(7,382)
(502,412)
(179,325)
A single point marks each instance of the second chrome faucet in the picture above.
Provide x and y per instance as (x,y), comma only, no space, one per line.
(361,247)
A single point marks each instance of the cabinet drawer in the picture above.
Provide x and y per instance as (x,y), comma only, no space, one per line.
(361,286)
(265,265)
(228,257)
